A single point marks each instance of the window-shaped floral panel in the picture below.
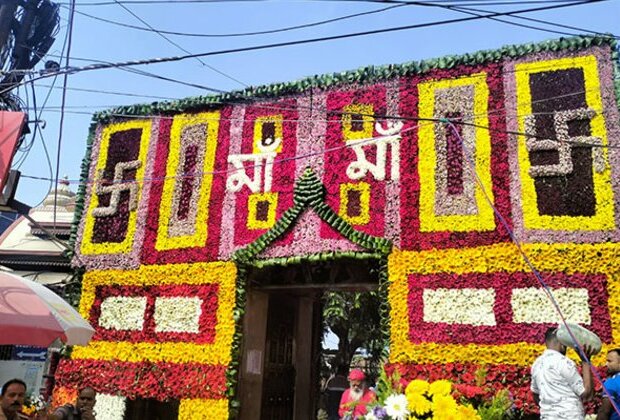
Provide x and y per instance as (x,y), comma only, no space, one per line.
(188,183)
(460,174)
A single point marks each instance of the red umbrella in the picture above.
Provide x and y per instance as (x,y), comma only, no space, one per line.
(32,314)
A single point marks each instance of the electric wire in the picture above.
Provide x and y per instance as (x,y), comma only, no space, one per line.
(74,70)
(63,103)
(240,34)
(36,130)
(109,92)
(476,12)
(210,67)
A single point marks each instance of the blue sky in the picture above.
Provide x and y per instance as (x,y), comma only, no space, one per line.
(97,40)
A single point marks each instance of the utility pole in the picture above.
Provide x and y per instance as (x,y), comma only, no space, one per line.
(27,30)
(7,14)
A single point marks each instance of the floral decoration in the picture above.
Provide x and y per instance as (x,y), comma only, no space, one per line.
(122,313)
(187,229)
(515,336)
(187,187)
(579,215)
(345,166)
(159,380)
(115,234)
(399,399)
(440,207)
(167,313)
(261,124)
(585,69)
(365,105)
(190,409)
(110,407)
(213,283)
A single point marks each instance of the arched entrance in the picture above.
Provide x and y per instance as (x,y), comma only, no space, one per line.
(278,301)
(279,375)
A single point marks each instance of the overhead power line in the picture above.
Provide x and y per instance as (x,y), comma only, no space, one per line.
(311,40)
(109,92)
(210,67)
(476,12)
(63,103)
(242,34)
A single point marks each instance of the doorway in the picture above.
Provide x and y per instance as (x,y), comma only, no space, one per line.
(283,361)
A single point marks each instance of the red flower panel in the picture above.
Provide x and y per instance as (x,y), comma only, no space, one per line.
(505,329)
(264,124)
(208,295)
(352,116)
(161,381)
(208,252)
(411,236)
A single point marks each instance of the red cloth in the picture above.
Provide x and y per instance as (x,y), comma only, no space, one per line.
(357,375)
(357,407)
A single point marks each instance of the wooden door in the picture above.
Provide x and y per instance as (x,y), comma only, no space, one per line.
(279,373)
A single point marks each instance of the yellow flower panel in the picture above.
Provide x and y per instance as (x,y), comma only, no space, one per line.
(363,111)
(276,120)
(593,259)
(363,190)
(603,219)
(216,353)
(124,247)
(254,200)
(173,182)
(203,409)
(483,219)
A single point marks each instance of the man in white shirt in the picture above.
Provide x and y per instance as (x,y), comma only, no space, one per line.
(558,388)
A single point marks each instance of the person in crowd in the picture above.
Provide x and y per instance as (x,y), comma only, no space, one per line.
(82,410)
(557,387)
(334,389)
(612,385)
(356,398)
(12,398)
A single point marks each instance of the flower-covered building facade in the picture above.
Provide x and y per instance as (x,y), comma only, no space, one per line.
(445,173)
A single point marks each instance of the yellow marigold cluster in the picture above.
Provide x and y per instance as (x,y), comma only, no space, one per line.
(424,398)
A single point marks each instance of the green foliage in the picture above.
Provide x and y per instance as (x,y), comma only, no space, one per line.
(499,408)
(355,318)
(385,385)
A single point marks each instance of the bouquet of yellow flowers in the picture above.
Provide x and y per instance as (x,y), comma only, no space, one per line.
(419,400)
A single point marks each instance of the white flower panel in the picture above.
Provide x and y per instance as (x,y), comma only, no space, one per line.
(532,305)
(178,314)
(122,313)
(109,407)
(459,306)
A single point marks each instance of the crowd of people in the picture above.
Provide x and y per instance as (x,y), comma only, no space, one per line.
(13,396)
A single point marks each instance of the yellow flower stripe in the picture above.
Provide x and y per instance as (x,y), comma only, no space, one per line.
(199,237)
(203,409)
(368,122)
(364,190)
(567,258)
(484,220)
(253,200)
(218,352)
(603,218)
(258,131)
(88,247)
